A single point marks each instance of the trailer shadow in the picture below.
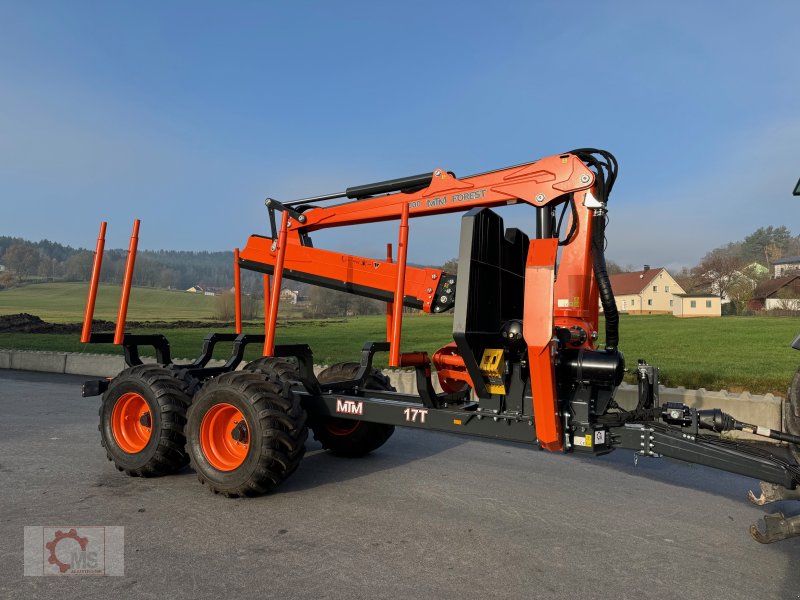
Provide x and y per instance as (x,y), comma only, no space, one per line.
(320,467)
(719,483)
(686,475)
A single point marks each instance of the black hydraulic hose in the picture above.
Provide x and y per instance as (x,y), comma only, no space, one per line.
(603,282)
(605,169)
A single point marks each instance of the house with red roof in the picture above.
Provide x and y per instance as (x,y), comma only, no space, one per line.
(782,293)
(645,292)
(653,291)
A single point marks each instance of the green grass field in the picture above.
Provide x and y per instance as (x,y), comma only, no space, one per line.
(734,353)
(65,302)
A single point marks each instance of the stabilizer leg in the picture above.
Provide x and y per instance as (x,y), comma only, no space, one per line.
(772,492)
(776,528)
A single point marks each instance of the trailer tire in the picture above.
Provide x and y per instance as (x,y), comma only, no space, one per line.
(253,459)
(345,437)
(275,368)
(792,413)
(142,419)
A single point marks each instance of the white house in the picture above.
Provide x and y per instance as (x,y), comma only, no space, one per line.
(784,265)
(289,295)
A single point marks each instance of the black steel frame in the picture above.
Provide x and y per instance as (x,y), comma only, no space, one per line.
(456,413)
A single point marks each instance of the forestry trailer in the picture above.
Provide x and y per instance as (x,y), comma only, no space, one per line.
(524,364)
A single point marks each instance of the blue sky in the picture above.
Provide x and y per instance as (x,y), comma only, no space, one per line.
(187,114)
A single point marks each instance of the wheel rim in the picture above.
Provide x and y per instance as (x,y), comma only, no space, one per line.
(218,437)
(131,422)
(342,427)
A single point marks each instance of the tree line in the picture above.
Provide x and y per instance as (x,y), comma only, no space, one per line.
(32,262)
(27,261)
(730,271)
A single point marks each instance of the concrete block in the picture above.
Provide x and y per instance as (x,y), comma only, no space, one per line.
(5,359)
(49,362)
(403,381)
(94,365)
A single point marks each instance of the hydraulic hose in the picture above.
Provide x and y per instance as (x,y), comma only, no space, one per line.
(603,282)
(605,168)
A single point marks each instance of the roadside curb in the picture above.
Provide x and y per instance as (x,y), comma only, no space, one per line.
(765,410)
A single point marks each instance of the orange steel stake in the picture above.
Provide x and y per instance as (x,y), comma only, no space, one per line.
(266,301)
(96,266)
(119,333)
(399,290)
(277,276)
(237,290)
(389,305)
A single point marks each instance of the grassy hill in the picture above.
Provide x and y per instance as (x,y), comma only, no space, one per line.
(65,303)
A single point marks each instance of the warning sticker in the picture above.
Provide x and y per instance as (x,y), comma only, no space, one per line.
(600,437)
(584,441)
(563,303)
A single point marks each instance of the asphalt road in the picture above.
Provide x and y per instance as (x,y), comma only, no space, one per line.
(426,516)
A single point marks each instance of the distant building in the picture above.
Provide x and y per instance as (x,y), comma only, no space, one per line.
(782,293)
(290,295)
(783,266)
(697,305)
(209,291)
(645,292)
(755,268)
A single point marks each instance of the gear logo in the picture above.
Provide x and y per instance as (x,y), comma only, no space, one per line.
(74,550)
(60,536)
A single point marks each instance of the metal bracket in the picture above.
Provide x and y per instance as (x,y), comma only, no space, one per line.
(637,437)
(365,368)
(273,204)
(131,343)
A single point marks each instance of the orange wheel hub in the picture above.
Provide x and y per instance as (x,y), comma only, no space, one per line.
(342,427)
(224,437)
(131,422)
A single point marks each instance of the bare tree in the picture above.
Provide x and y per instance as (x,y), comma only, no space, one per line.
(688,279)
(613,268)
(23,259)
(451,266)
(719,269)
(79,266)
(787,300)
(225,306)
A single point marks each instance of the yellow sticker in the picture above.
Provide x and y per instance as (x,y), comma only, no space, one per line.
(588,440)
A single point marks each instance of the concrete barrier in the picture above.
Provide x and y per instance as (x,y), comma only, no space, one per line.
(766,410)
(96,365)
(49,362)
